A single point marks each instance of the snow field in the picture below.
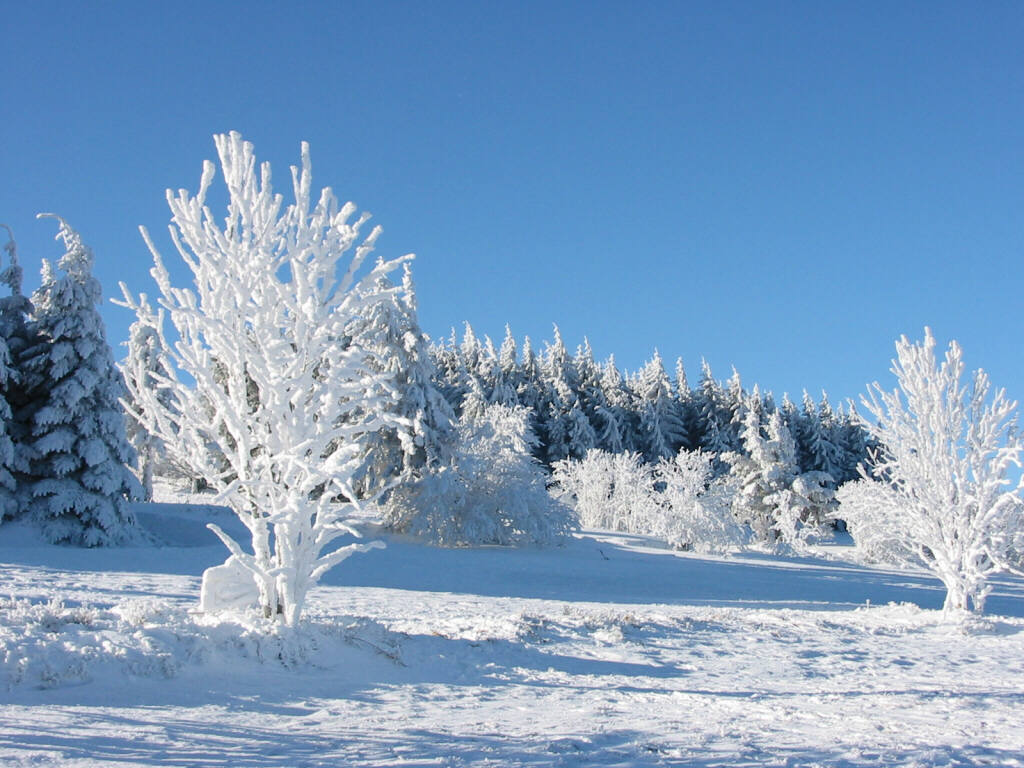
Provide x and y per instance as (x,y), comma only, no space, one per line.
(609,652)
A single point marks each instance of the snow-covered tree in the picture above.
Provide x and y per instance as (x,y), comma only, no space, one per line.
(78,481)
(661,427)
(448,375)
(615,433)
(684,398)
(12,324)
(713,415)
(504,389)
(274,290)
(773,497)
(940,494)
(492,490)
(390,334)
(826,452)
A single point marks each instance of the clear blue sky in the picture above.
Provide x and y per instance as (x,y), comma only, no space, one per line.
(783,187)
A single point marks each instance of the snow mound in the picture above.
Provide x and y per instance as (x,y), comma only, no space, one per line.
(55,645)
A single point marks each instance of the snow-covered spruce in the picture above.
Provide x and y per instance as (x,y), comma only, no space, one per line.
(13,310)
(491,490)
(777,501)
(938,493)
(77,480)
(390,333)
(272,402)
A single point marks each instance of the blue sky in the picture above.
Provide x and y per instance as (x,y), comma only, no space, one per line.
(783,187)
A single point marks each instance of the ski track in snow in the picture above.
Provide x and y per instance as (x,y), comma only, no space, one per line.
(609,651)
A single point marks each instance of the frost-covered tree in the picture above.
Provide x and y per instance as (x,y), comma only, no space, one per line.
(661,427)
(736,406)
(826,454)
(713,415)
(685,400)
(390,334)
(448,375)
(773,497)
(11,332)
(492,490)
(78,482)
(263,373)
(615,432)
(504,389)
(561,430)
(939,493)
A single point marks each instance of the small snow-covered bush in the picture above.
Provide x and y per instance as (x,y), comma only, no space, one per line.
(697,510)
(675,500)
(51,644)
(613,492)
(491,491)
(867,506)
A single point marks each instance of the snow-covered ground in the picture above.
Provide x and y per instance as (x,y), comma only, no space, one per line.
(609,651)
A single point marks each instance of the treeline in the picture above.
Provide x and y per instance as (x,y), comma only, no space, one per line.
(578,404)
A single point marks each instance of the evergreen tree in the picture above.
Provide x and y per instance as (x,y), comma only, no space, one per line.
(491,491)
(528,388)
(713,416)
(504,391)
(826,452)
(390,335)
(766,468)
(469,352)
(614,429)
(448,376)
(662,431)
(12,339)
(561,383)
(736,402)
(79,482)
(684,397)
(488,368)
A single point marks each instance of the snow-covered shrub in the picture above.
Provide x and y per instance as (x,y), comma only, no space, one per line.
(696,508)
(271,400)
(77,480)
(490,491)
(940,495)
(676,500)
(868,507)
(145,358)
(613,492)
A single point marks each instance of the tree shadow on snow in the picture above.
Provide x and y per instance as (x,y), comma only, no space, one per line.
(142,737)
(616,568)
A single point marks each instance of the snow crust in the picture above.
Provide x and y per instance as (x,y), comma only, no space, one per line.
(610,651)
